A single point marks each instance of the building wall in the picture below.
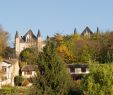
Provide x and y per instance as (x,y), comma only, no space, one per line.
(20,46)
(17,45)
(78,71)
(28,75)
(12,70)
(87,34)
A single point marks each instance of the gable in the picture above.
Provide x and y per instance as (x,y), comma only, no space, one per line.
(87,31)
(29,36)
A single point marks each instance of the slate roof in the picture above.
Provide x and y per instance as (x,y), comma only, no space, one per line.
(28,68)
(17,35)
(28,33)
(87,29)
(10,61)
(80,65)
(39,34)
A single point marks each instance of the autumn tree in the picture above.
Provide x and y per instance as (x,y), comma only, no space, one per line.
(3,41)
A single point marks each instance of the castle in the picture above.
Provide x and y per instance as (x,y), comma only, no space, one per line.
(28,40)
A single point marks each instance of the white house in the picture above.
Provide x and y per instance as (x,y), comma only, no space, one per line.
(28,71)
(8,70)
(76,70)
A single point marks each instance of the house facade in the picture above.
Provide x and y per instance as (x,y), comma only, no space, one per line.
(8,70)
(28,71)
(77,70)
(28,40)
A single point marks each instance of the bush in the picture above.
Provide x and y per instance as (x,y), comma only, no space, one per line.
(18,80)
(7,89)
(25,82)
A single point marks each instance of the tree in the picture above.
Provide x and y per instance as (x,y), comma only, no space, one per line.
(9,53)
(52,77)
(29,56)
(18,80)
(3,41)
(99,81)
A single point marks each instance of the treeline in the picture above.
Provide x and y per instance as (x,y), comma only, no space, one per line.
(76,48)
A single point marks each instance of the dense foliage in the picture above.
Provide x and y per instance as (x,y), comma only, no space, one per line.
(28,56)
(52,77)
(3,41)
(9,53)
(99,81)
(77,48)
(18,80)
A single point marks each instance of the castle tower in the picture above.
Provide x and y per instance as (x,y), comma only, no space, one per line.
(39,41)
(17,43)
(97,30)
(75,31)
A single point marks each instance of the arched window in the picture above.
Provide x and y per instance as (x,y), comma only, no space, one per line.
(28,38)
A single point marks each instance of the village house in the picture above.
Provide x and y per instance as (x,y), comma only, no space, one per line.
(28,71)
(77,70)
(8,70)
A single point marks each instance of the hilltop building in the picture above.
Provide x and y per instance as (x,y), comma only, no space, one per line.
(87,32)
(28,40)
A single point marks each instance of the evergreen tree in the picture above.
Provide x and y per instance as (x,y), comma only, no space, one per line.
(52,77)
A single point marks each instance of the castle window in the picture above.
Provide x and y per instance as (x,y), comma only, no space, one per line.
(28,38)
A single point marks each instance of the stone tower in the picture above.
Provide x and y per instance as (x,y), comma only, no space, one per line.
(97,30)
(39,41)
(17,43)
(75,31)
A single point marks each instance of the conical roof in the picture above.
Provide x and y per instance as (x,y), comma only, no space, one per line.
(39,34)
(17,34)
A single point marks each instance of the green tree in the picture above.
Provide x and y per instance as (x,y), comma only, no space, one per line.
(9,53)
(29,56)
(18,80)
(52,77)
(99,81)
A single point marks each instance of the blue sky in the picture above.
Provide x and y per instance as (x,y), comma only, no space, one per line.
(55,16)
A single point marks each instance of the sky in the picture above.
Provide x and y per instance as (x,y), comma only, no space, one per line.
(55,16)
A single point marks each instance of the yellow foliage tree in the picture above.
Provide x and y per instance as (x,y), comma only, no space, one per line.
(3,41)
(66,53)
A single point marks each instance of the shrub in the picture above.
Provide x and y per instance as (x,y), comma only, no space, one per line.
(18,80)
(7,89)
(25,82)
